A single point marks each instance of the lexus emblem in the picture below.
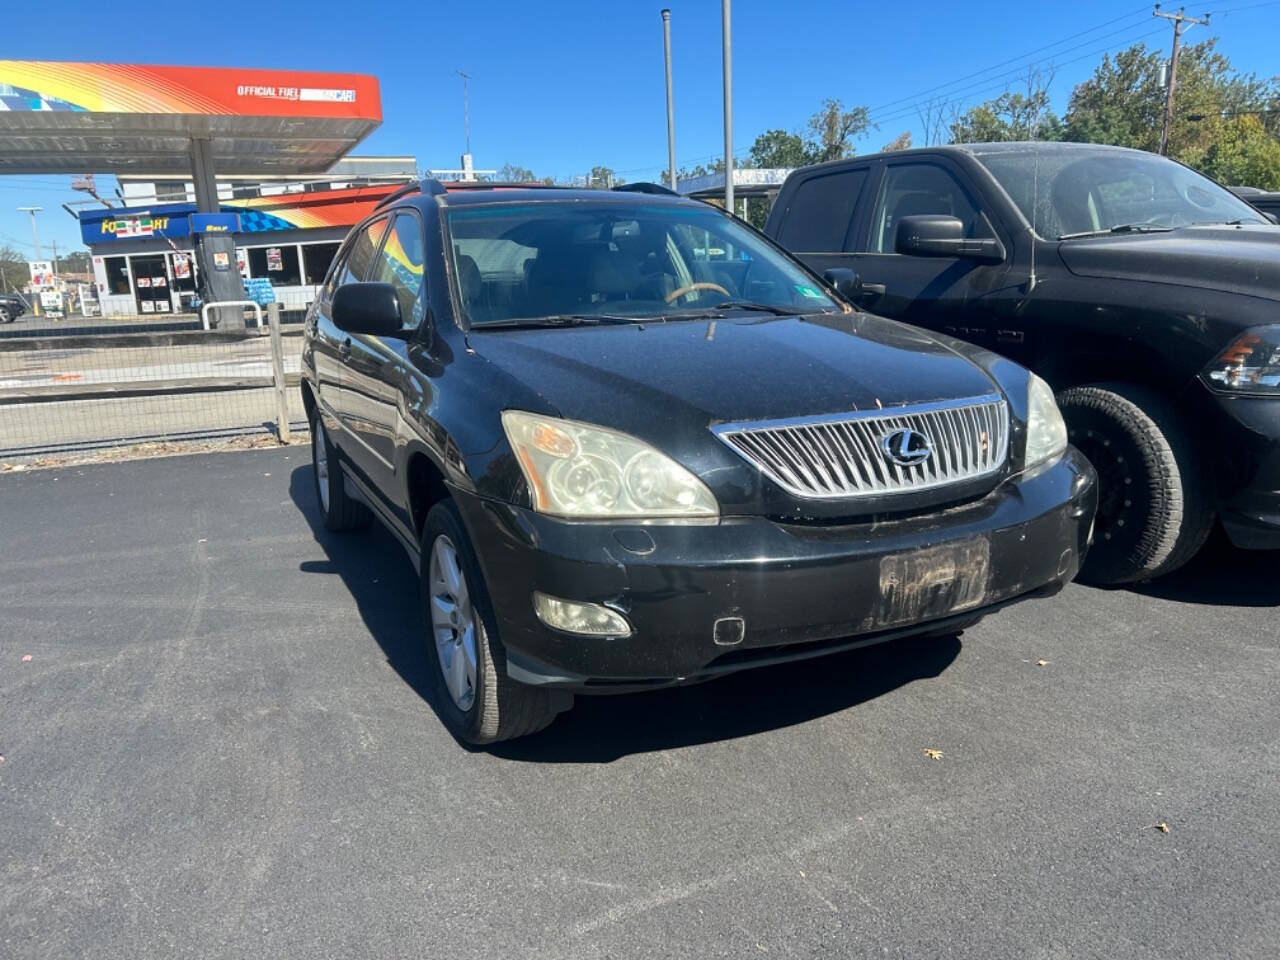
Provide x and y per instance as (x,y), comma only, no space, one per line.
(906,447)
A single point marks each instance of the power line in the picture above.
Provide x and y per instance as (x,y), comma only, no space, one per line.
(1022,56)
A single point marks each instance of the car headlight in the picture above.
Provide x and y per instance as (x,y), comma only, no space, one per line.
(1046,431)
(580,470)
(1250,364)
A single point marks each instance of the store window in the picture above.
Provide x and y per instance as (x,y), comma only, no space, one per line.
(278,264)
(117,270)
(184,274)
(316,258)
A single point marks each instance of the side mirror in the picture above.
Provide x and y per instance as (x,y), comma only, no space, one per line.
(844,282)
(371,308)
(1271,216)
(934,235)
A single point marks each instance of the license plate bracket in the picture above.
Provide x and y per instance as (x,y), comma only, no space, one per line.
(933,582)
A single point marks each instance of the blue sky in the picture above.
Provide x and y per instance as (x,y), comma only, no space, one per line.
(562,86)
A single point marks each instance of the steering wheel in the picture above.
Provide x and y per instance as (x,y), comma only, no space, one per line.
(700,285)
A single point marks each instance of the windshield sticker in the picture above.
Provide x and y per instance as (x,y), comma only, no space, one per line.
(809,292)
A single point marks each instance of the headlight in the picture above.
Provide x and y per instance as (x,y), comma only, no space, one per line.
(1046,431)
(1251,364)
(579,470)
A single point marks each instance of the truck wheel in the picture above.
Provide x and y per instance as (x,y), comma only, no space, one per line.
(340,511)
(1154,506)
(478,702)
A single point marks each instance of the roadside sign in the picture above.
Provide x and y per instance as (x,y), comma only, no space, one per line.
(41,274)
(51,301)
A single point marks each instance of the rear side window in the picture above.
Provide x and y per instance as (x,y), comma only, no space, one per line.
(818,215)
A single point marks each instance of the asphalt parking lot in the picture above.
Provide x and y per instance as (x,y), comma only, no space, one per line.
(219,747)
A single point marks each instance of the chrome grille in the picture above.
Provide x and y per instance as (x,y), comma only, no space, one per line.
(842,454)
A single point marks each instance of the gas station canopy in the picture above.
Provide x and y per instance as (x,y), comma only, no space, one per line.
(115,118)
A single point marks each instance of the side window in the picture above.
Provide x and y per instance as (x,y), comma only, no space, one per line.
(399,263)
(913,189)
(358,258)
(818,215)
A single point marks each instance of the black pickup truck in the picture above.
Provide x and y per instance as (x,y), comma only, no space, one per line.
(12,307)
(1146,294)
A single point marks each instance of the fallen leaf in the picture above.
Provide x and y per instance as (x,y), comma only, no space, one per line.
(26,658)
(933,754)
(1042,663)
(1162,827)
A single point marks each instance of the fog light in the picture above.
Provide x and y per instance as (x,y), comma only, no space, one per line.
(587,619)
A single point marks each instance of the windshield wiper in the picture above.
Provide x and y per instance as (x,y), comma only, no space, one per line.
(1122,228)
(559,320)
(716,310)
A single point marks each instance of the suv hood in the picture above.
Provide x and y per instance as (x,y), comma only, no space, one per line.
(1243,259)
(656,378)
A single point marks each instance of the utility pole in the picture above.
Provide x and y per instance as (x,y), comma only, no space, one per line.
(727,39)
(671,115)
(55,258)
(1178,19)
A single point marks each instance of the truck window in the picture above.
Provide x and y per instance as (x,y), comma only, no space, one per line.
(817,217)
(910,190)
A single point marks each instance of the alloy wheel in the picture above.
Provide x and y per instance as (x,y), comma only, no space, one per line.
(453,623)
(320,455)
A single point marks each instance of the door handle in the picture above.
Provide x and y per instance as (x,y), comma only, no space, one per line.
(344,350)
(873,289)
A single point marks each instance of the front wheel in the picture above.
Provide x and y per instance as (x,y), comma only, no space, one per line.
(5,315)
(1154,505)
(477,700)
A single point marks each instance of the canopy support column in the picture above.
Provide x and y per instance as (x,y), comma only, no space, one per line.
(215,252)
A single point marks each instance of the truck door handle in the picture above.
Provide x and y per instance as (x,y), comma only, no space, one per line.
(873,289)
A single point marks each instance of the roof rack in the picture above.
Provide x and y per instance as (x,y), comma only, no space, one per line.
(644,187)
(427,185)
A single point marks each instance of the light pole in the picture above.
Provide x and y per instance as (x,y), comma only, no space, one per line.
(35,236)
(671,114)
(728,104)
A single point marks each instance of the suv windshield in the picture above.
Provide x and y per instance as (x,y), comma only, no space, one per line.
(561,260)
(1069,192)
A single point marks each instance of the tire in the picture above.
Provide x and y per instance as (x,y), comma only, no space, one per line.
(492,707)
(5,315)
(340,511)
(1155,510)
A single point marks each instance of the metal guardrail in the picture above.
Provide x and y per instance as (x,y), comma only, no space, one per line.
(204,310)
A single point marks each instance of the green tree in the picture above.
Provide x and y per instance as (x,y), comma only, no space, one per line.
(14,273)
(901,142)
(514,173)
(777,148)
(1010,116)
(833,129)
(1123,104)
(1244,153)
(603,178)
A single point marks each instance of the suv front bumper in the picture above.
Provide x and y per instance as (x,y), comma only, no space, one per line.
(799,590)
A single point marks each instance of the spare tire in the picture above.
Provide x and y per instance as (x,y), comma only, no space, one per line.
(1154,507)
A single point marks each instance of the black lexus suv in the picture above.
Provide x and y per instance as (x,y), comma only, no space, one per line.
(1147,295)
(628,443)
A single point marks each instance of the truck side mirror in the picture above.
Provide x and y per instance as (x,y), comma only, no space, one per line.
(935,235)
(844,282)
